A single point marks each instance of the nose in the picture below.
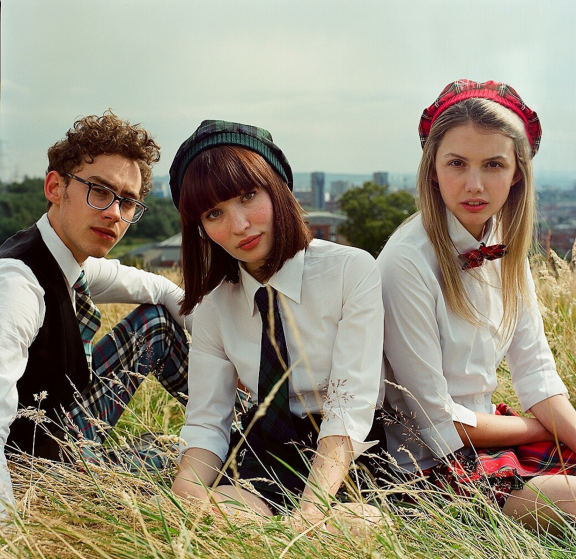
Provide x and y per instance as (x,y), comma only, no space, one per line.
(113,211)
(238,221)
(474,182)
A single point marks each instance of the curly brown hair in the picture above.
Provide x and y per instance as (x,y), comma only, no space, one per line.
(93,135)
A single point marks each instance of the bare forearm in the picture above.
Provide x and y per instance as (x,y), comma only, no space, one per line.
(502,431)
(558,416)
(329,468)
(197,472)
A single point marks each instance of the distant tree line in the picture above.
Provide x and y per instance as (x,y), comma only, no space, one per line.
(22,203)
(373,213)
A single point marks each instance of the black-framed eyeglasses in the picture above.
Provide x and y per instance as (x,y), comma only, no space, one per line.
(101,197)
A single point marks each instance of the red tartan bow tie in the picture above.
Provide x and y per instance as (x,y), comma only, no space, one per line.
(475,258)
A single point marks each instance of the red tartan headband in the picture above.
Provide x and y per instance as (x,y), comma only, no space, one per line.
(499,92)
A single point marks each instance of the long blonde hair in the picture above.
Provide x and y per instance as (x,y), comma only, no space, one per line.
(514,221)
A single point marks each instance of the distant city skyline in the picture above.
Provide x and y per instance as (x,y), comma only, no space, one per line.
(545,180)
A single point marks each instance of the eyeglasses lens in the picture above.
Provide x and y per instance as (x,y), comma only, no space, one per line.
(101,198)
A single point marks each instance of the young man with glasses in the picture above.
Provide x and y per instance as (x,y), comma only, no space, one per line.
(54,273)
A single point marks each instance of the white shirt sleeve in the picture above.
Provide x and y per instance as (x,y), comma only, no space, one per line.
(529,357)
(111,282)
(413,349)
(356,373)
(22,310)
(212,382)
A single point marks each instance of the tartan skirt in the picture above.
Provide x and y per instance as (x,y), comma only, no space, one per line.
(496,472)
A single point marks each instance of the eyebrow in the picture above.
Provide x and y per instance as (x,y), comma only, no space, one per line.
(104,182)
(493,158)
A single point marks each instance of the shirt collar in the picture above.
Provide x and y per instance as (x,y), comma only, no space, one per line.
(61,253)
(462,239)
(288,281)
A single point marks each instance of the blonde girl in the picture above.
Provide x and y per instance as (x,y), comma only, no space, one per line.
(459,297)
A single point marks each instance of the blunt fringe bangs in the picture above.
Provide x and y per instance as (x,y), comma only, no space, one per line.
(216,175)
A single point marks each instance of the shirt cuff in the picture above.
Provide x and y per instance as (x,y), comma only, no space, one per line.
(464,415)
(335,425)
(442,439)
(533,390)
(194,436)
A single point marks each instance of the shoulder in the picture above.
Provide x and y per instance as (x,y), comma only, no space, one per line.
(332,268)
(21,242)
(326,253)
(408,245)
(226,297)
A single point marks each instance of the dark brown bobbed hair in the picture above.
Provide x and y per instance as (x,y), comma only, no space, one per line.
(216,175)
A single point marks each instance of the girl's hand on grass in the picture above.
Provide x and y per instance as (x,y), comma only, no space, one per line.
(357,519)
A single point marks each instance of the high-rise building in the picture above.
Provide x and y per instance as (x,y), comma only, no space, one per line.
(337,188)
(380,178)
(317,187)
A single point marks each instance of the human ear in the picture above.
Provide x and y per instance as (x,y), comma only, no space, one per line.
(54,187)
(517,176)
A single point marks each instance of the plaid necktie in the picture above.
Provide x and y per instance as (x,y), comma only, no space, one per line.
(277,423)
(88,316)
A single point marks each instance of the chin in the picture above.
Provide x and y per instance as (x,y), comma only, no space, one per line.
(101,252)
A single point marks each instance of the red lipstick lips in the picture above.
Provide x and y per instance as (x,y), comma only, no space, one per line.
(474,205)
(249,242)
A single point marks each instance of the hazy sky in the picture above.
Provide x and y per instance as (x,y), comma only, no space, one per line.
(339,84)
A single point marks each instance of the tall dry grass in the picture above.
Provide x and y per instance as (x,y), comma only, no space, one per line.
(86,510)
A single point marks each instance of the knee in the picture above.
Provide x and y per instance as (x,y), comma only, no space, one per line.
(151,312)
(190,490)
(152,319)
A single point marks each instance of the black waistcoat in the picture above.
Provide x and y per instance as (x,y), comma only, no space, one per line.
(56,360)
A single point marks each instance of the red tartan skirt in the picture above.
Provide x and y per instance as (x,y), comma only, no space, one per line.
(496,472)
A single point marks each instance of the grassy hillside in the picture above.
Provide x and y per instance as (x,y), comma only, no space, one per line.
(93,511)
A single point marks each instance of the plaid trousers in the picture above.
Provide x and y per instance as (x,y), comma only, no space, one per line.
(147,341)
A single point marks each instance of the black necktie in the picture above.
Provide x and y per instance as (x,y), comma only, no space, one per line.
(277,423)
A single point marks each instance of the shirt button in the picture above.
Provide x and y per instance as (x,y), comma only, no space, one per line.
(479,400)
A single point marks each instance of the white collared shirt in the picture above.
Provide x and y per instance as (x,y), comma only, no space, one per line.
(22,312)
(445,365)
(331,307)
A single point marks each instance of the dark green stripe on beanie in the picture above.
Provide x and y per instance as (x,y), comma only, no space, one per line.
(212,133)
